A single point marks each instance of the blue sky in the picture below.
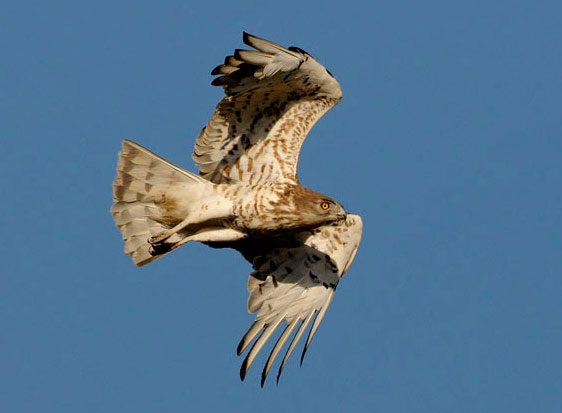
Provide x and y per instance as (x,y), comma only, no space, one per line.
(448,142)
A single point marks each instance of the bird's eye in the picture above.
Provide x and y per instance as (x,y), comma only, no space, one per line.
(324,205)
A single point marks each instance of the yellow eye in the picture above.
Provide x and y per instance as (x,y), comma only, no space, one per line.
(324,205)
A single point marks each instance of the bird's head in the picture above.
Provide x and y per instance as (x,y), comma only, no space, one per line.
(318,209)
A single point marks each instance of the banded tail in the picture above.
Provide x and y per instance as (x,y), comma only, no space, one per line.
(146,192)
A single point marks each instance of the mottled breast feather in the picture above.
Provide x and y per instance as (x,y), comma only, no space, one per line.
(274,97)
(248,196)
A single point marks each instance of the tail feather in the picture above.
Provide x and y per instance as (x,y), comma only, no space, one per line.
(142,181)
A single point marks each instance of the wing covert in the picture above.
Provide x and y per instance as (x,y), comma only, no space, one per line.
(274,97)
(296,285)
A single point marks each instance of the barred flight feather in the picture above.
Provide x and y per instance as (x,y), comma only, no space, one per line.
(248,196)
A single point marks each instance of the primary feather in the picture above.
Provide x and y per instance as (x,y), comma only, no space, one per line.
(248,196)
(274,97)
(294,283)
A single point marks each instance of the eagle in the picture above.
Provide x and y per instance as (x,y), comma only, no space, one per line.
(247,195)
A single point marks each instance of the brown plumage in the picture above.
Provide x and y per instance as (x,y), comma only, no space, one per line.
(248,195)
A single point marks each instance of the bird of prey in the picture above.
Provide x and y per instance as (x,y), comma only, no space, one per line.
(247,195)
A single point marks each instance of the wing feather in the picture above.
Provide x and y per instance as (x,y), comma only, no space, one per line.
(294,342)
(259,343)
(250,335)
(278,346)
(274,97)
(317,321)
(296,284)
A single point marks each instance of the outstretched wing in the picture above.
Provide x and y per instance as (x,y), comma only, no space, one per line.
(296,285)
(274,97)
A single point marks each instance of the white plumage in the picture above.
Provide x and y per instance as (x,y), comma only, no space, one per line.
(295,284)
(248,195)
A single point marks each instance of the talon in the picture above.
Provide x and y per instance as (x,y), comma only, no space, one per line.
(158,238)
(159,248)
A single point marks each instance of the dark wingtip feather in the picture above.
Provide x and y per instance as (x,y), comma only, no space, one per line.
(221,81)
(246,38)
(239,348)
(298,50)
(237,54)
(303,354)
(216,70)
(244,369)
(281,367)
(231,61)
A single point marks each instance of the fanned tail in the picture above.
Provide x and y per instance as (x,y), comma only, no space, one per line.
(142,199)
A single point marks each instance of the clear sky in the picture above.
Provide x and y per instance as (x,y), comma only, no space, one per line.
(448,142)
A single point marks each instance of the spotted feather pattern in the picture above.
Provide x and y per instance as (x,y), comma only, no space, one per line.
(274,97)
(248,196)
(296,284)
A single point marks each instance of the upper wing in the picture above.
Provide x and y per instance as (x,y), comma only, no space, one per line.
(274,97)
(297,284)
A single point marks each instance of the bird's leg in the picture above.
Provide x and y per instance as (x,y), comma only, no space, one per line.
(164,235)
(217,234)
(208,210)
(160,248)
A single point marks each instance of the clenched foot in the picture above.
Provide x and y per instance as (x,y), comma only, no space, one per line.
(159,248)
